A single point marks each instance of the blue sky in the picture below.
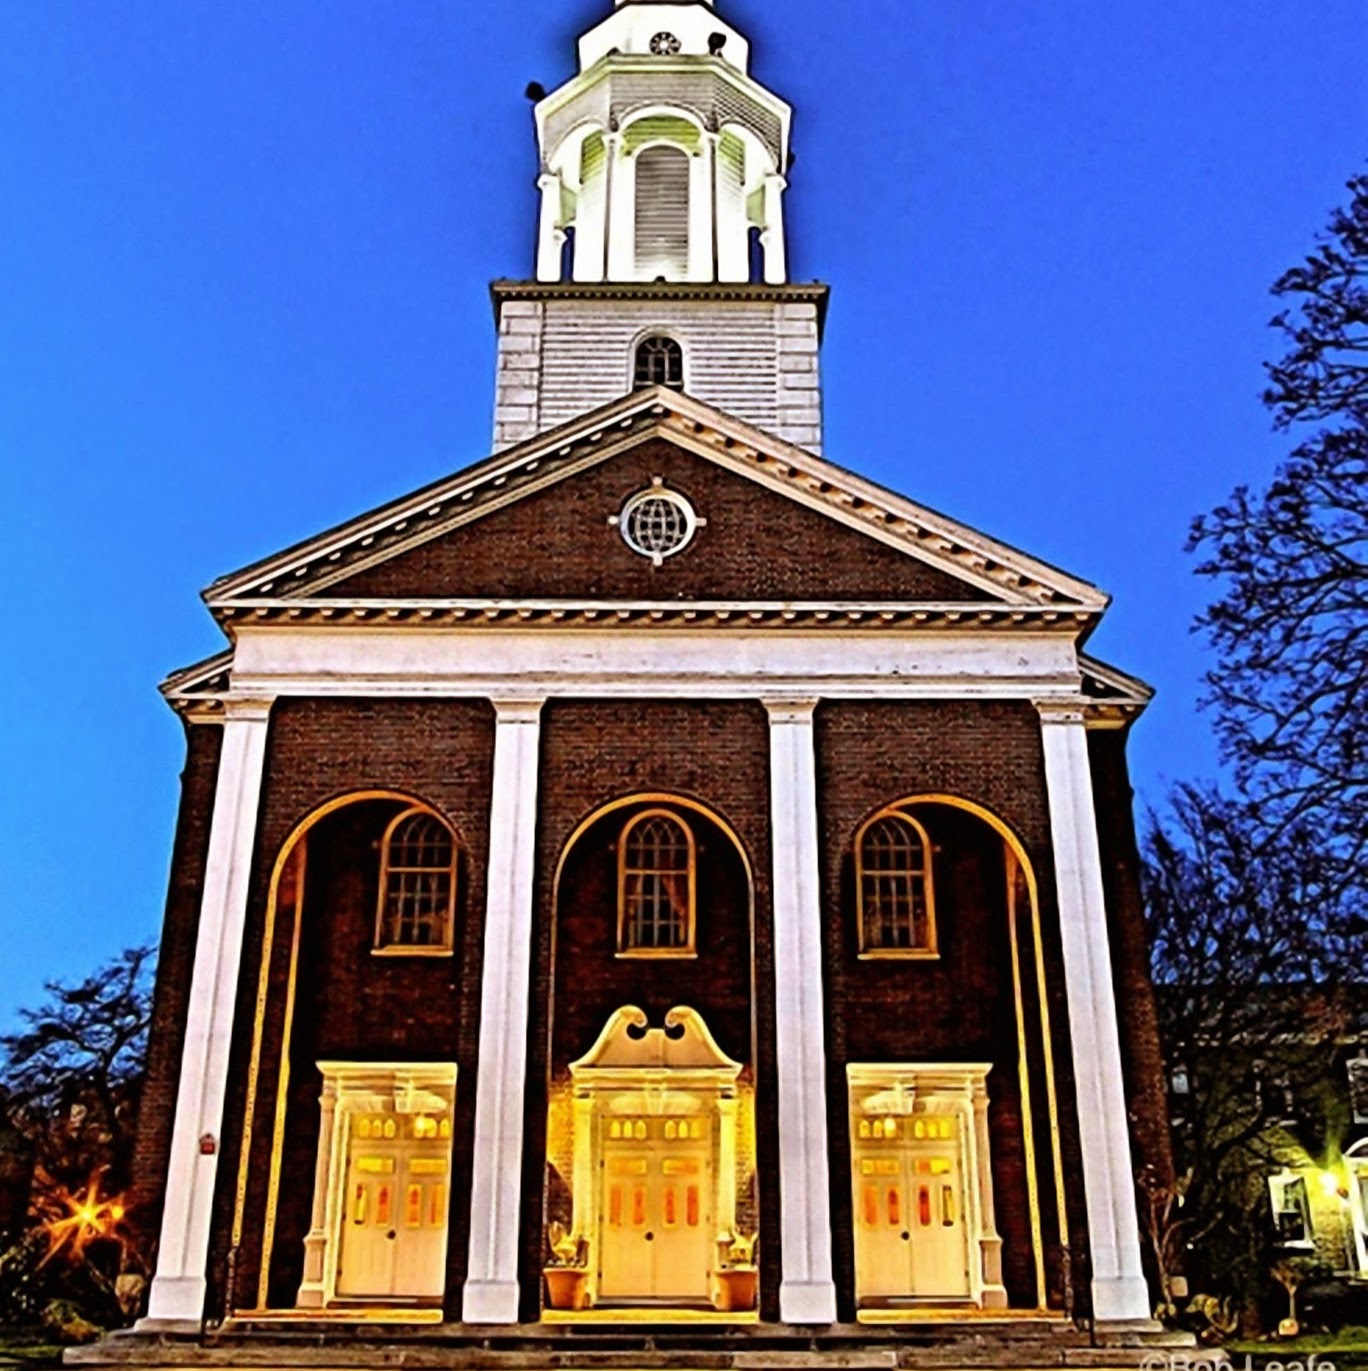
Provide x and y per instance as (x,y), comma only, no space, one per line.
(244,252)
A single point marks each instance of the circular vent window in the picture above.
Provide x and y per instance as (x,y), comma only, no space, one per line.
(665,45)
(657,523)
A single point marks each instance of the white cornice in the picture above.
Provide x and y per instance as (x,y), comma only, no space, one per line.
(522,664)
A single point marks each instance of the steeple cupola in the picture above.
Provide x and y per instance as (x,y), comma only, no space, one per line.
(663,160)
(661,254)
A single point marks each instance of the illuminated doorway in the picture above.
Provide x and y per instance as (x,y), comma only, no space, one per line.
(922,1187)
(654,1179)
(383,1186)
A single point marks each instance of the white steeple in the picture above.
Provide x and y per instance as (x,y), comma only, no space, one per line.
(661,257)
(662,157)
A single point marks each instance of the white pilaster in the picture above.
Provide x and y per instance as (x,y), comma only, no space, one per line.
(313,1289)
(178,1290)
(550,235)
(491,1289)
(807,1294)
(1119,1289)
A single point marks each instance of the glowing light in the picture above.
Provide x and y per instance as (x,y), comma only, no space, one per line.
(1330,1184)
(75,1221)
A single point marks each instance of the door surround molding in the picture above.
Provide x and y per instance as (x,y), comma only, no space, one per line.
(639,1068)
(956,1088)
(351,1088)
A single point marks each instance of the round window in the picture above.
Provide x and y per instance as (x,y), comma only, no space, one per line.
(657,523)
(665,45)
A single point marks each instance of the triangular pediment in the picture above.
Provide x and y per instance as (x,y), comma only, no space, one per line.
(914,554)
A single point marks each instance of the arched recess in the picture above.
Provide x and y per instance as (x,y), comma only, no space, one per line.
(1034,1036)
(689,1261)
(286,897)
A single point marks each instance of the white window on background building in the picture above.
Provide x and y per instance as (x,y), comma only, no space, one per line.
(1291,1209)
(1358,1089)
(1356,1162)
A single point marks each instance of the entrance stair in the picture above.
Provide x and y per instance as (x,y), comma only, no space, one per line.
(1024,1345)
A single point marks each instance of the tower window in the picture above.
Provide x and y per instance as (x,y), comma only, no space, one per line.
(659,362)
(417,885)
(893,875)
(656,857)
(666,45)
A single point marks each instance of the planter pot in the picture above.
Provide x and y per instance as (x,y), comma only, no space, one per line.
(567,1288)
(737,1287)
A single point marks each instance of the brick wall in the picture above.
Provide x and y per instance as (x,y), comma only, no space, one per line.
(596,752)
(175,965)
(1141,1052)
(960,1008)
(758,544)
(353,1006)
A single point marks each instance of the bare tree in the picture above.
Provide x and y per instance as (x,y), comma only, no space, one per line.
(71,1073)
(1252,1002)
(1290,625)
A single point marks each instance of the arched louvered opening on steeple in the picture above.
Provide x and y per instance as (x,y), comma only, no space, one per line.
(662,213)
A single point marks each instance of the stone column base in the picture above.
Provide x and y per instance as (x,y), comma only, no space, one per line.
(490,1302)
(807,1302)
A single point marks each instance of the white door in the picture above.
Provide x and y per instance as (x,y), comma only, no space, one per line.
(911,1237)
(394,1218)
(657,1229)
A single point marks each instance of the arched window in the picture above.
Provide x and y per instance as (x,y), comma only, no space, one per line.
(897,912)
(659,361)
(417,885)
(656,880)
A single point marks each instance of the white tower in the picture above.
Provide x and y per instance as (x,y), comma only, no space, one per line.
(661,250)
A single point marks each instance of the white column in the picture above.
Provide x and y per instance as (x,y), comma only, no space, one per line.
(702,186)
(550,236)
(491,1289)
(178,1289)
(313,1291)
(776,254)
(807,1294)
(621,211)
(1119,1289)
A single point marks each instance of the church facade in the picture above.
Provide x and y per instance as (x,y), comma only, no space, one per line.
(654,874)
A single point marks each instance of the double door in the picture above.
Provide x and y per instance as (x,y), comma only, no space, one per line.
(657,1228)
(394,1219)
(911,1234)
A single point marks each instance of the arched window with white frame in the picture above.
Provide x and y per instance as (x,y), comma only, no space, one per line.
(894,888)
(417,907)
(658,361)
(657,875)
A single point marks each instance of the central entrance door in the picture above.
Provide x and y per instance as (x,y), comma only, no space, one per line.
(394,1219)
(654,1183)
(657,1226)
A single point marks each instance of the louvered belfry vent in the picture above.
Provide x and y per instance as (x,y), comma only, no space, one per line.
(662,213)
